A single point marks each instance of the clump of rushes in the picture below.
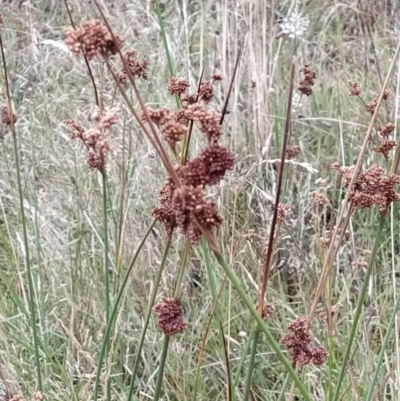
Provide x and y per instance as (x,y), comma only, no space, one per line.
(298,341)
(186,206)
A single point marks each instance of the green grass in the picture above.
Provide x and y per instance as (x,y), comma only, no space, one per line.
(65,206)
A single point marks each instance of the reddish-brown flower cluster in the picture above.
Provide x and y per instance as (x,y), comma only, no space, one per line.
(355,88)
(5,117)
(92,39)
(132,66)
(267,311)
(386,144)
(170,316)
(371,187)
(186,206)
(298,342)
(177,86)
(284,211)
(95,138)
(292,151)
(319,198)
(308,80)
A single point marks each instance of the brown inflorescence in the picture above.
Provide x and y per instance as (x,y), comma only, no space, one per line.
(284,211)
(298,342)
(164,212)
(308,80)
(95,138)
(267,311)
(206,91)
(371,106)
(5,117)
(183,204)
(371,187)
(319,198)
(76,128)
(192,209)
(170,316)
(177,86)
(355,88)
(93,39)
(292,151)
(132,65)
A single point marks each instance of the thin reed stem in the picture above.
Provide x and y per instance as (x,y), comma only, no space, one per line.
(107,333)
(156,285)
(383,349)
(106,260)
(357,314)
(160,375)
(254,339)
(31,287)
(264,328)
(164,355)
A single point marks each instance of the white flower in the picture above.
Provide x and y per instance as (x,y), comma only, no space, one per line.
(293,26)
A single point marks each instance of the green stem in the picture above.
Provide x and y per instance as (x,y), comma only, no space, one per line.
(357,314)
(241,363)
(147,320)
(105,228)
(270,338)
(31,286)
(383,348)
(104,348)
(249,376)
(284,385)
(106,265)
(160,376)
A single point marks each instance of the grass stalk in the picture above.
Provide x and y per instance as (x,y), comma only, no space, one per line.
(381,355)
(263,327)
(31,287)
(107,333)
(254,339)
(160,375)
(157,281)
(357,315)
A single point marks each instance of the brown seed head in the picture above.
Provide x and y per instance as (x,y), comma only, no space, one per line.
(135,67)
(292,151)
(206,91)
(5,117)
(355,89)
(170,316)
(177,86)
(165,213)
(216,76)
(284,211)
(308,80)
(92,39)
(76,128)
(191,208)
(319,198)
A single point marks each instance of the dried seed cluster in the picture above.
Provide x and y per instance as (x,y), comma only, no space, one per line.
(132,66)
(371,187)
(170,316)
(308,80)
(298,342)
(93,39)
(186,206)
(95,138)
